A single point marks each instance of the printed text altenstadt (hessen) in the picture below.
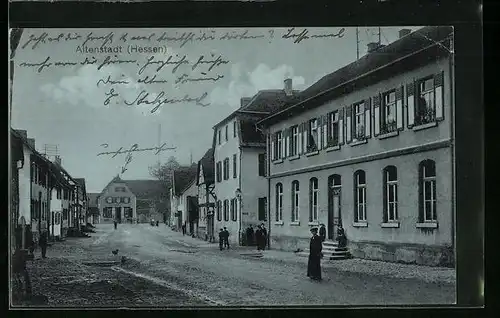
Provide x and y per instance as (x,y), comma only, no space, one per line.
(130,49)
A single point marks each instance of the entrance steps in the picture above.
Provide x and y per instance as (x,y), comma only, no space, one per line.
(331,251)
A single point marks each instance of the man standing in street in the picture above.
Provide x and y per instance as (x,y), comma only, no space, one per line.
(115,223)
(43,243)
(226,238)
(264,236)
(258,238)
(314,263)
(221,239)
(184,228)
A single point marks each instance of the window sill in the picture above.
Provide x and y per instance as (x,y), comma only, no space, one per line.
(294,157)
(333,148)
(278,223)
(312,153)
(360,224)
(425,126)
(313,223)
(296,223)
(427,225)
(393,224)
(358,142)
(278,161)
(388,135)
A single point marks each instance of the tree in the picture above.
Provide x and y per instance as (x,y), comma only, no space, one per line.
(164,174)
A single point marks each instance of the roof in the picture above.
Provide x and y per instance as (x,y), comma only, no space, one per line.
(207,162)
(146,189)
(414,42)
(92,198)
(184,177)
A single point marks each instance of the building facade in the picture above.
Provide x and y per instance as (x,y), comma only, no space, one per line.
(117,202)
(183,189)
(206,196)
(370,147)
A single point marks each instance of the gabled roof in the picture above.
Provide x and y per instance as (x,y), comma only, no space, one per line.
(207,162)
(184,177)
(422,39)
(92,199)
(146,189)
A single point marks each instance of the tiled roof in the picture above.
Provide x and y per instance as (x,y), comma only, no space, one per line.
(207,161)
(146,189)
(412,43)
(183,177)
(268,101)
(92,198)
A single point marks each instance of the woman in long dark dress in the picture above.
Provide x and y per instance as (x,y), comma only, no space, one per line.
(315,248)
(258,238)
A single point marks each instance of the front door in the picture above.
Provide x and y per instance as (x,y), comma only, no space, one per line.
(334,214)
(119,214)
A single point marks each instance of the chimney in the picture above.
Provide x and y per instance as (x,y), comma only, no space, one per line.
(372,46)
(31,142)
(404,32)
(288,87)
(23,133)
(244,101)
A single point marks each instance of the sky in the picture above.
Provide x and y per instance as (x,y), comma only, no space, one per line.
(64,105)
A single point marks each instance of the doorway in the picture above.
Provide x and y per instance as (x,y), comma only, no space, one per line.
(119,214)
(334,207)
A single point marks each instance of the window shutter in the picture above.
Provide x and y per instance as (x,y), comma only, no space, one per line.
(319,123)
(305,136)
(376,115)
(273,153)
(300,129)
(348,124)
(283,148)
(341,126)
(368,118)
(420,193)
(410,112)
(438,89)
(384,196)
(287,143)
(399,108)
(325,131)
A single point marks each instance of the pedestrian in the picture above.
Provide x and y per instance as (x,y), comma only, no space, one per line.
(258,237)
(221,239)
(341,238)
(226,238)
(43,243)
(322,232)
(115,223)
(264,236)
(184,228)
(314,263)
(157,223)
(250,235)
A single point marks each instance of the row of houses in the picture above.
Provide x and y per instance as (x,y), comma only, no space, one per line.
(369,147)
(45,198)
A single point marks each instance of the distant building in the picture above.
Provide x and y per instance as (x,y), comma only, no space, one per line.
(92,208)
(239,162)
(206,196)
(370,147)
(81,203)
(181,195)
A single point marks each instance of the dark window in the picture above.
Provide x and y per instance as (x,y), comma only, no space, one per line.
(425,110)
(295,201)
(427,187)
(278,145)
(226,132)
(359,121)
(279,202)
(333,129)
(219,210)
(359,196)
(32,172)
(226,210)
(219,136)
(219,171)
(234,167)
(262,209)
(234,129)
(312,135)
(390,194)
(58,193)
(294,140)
(226,168)
(388,120)
(313,199)
(262,164)
(234,210)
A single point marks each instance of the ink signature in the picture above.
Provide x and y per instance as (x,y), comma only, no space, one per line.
(304,35)
(161,99)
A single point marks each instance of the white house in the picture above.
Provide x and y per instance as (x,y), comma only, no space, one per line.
(206,196)
(239,158)
(183,186)
(55,214)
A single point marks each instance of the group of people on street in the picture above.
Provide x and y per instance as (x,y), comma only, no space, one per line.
(223,239)
(257,237)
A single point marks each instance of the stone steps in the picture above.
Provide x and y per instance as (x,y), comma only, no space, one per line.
(331,251)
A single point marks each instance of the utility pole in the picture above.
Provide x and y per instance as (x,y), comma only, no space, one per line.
(379,33)
(357,43)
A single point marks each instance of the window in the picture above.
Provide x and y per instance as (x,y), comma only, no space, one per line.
(427,182)
(58,195)
(65,213)
(32,172)
(390,194)
(262,209)
(312,141)
(279,202)
(234,129)
(219,171)
(219,136)
(294,142)
(278,146)
(219,210)
(226,210)
(226,132)
(120,189)
(333,129)
(262,164)
(313,199)
(226,168)
(388,122)
(295,201)
(107,213)
(234,166)
(359,196)
(234,210)
(359,121)
(425,111)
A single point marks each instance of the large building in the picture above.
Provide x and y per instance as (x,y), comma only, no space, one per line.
(239,159)
(370,147)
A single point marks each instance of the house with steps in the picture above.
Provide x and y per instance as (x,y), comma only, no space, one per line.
(331,251)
